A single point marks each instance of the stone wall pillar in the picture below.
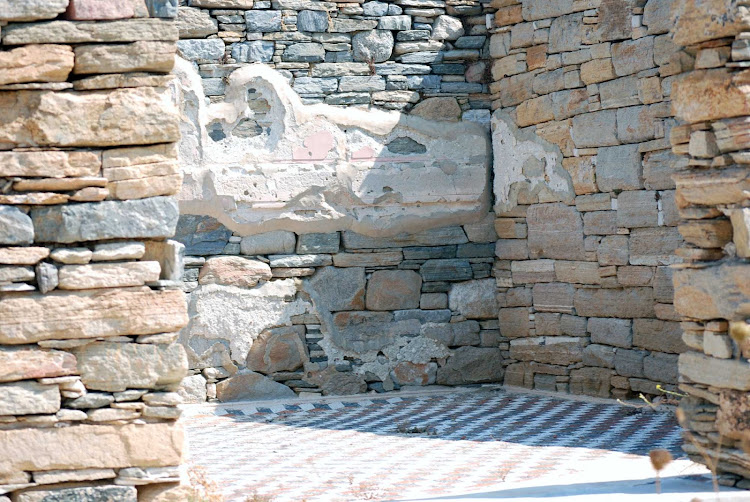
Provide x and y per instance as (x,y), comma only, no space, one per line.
(711,287)
(88,316)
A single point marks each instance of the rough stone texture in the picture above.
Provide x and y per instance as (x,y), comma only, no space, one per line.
(42,449)
(555,231)
(474,299)
(280,242)
(15,226)
(714,292)
(279,349)
(155,217)
(105,275)
(339,289)
(375,46)
(118,58)
(234,271)
(195,23)
(33,317)
(28,398)
(25,363)
(393,289)
(51,63)
(81,494)
(35,118)
(471,365)
(251,386)
(71,32)
(114,367)
(319,134)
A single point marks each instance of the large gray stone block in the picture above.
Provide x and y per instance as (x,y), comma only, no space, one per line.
(263,20)
(374,45)
(257,51)
(470,365)
(15,226)
(555,231)
(312,20)
(337,289)
(155,218)
(211,49)
(80,494)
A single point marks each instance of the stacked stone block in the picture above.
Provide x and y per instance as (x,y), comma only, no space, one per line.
(338,313)
(395,55)
(587,232)
(711,285)
(89,313)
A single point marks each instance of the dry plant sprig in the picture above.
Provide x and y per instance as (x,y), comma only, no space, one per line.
(660,458)
(203,489)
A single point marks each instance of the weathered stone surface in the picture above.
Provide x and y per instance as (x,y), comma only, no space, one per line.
(474,299)
(654,246)
(555,231)
(33,317)
(707,234)
(251,386)
(15,226)
(721,373)
(263,20)
(227,319)
(116,251)
(36,63)
(710,94)
(559,350)
(365,331)
(452,334)
(120,58)
(596,129)
(375,46)
(312,21)
(114,367)
(109,493)
(632,56)
(28,398)
(253,52)
(438,236)
(155,217)
(222,4)
(318,243)
(628,302)
(446,270)
(408,373)
(387,258)
(619,168)
(278,242)
(234,271)
(31,10)
(471,365)
(201,50)
(105,275)
(590,381)
(701,20)
(334,383)
(599,355)
(393,289)
(22,255)
(193,389)
(170,255)
(35,118)
(553,297)
(439,108)
(72,32)
(447,28)
(42,449)
(637,208)
(278,349)
(713,292)
(16,274)
(195,23)
(380,198)
(24,363)
(201,235)
(339,288)
(49,164)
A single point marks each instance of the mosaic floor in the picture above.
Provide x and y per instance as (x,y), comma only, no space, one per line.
(386,447)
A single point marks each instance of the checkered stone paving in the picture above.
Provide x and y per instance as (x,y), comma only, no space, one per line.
(389,446)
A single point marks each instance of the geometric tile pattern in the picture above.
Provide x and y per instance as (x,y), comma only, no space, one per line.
(401,447)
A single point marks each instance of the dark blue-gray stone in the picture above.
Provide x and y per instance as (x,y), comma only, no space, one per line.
(257,51)
(201,235)
(162,8)
(109,493)
(304,53)
(446,270)
(155,217)
(263,20)
(312,20)
(474,250)
(318,243)
(15,226)
(429,252)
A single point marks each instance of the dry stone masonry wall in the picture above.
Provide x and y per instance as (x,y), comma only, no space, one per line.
(395,55)
(585,204)
(711,294)
(89,366)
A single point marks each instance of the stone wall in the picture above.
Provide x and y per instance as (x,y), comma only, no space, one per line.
(389,54)
(711,292)
(585,204)
(88,310)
